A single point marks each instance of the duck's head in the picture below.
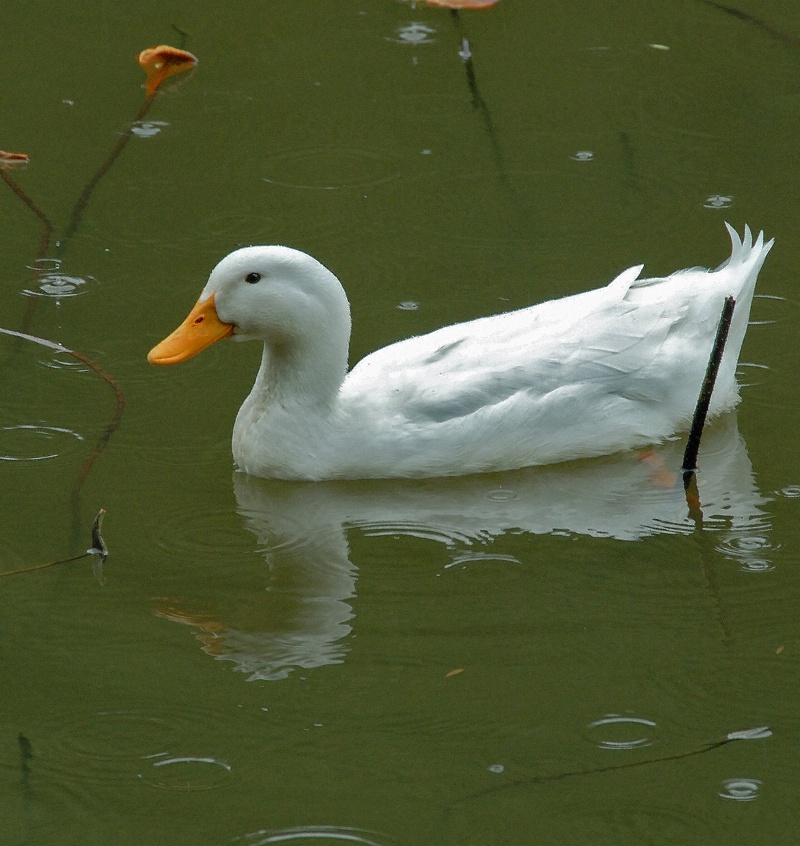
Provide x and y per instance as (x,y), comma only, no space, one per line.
(278,295)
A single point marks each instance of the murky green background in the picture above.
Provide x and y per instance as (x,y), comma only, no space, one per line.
(262,663)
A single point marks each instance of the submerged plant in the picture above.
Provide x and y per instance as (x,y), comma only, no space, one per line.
(159,63)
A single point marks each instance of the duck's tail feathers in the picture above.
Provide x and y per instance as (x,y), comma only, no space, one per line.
(739,273)
(737,278)
(745,251)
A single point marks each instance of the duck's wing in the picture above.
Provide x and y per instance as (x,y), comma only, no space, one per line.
(596,342)
(636,346)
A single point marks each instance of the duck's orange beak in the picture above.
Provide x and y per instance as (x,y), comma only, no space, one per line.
(200,330)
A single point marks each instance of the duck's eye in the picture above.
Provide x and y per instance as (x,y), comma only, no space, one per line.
(252,278)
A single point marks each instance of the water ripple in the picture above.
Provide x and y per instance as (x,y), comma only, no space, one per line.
(325,833)
(63,361)
(198,532)
(331,168)
(58,286)
(128,745)
(740,789)
(186,773)
(407,528)
(30,442)
(751,551)
(717,201)
(617,732)
(147,128)
(468,558)
(413,33)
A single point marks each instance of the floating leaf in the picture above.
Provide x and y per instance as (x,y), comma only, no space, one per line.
(9,160)
(163,61)
(751,734)
(454,672)
(463,4)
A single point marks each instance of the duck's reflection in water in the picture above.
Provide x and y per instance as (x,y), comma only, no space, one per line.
(304,617)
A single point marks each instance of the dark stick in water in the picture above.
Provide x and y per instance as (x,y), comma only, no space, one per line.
(689,469)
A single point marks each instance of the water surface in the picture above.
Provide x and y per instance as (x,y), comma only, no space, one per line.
(462,661)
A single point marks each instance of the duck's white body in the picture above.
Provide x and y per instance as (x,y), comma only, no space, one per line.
(586,375)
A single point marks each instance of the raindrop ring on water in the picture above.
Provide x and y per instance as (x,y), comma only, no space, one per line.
(23,433)
(414,33)
(502,495)
(749,550)
(147,128)
(717,201)
(467,558)
(321,832)
(57,285)
(740,789)
(187,772)
(616,722)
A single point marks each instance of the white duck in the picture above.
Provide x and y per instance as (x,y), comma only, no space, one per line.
(586,375)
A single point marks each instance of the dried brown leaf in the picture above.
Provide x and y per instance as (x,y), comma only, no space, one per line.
(9,160)
(162,62)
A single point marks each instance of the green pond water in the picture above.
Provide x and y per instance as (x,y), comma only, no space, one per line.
(523,658)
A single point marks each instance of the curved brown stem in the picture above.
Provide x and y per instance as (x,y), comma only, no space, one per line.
(754,21)
(86,194)
(111,427)
(47,226)
(119,408)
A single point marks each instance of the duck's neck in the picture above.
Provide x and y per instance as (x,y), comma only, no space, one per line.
(306,372)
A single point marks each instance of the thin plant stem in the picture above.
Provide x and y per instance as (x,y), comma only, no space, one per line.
(758,23)
(45,566)
(119,408)
(751,734)
(111,426)
(77,210)
(83,200)
(47,225)
(479,104)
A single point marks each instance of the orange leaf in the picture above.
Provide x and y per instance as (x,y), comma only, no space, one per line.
(463,4)
(163,61)
(9,160)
